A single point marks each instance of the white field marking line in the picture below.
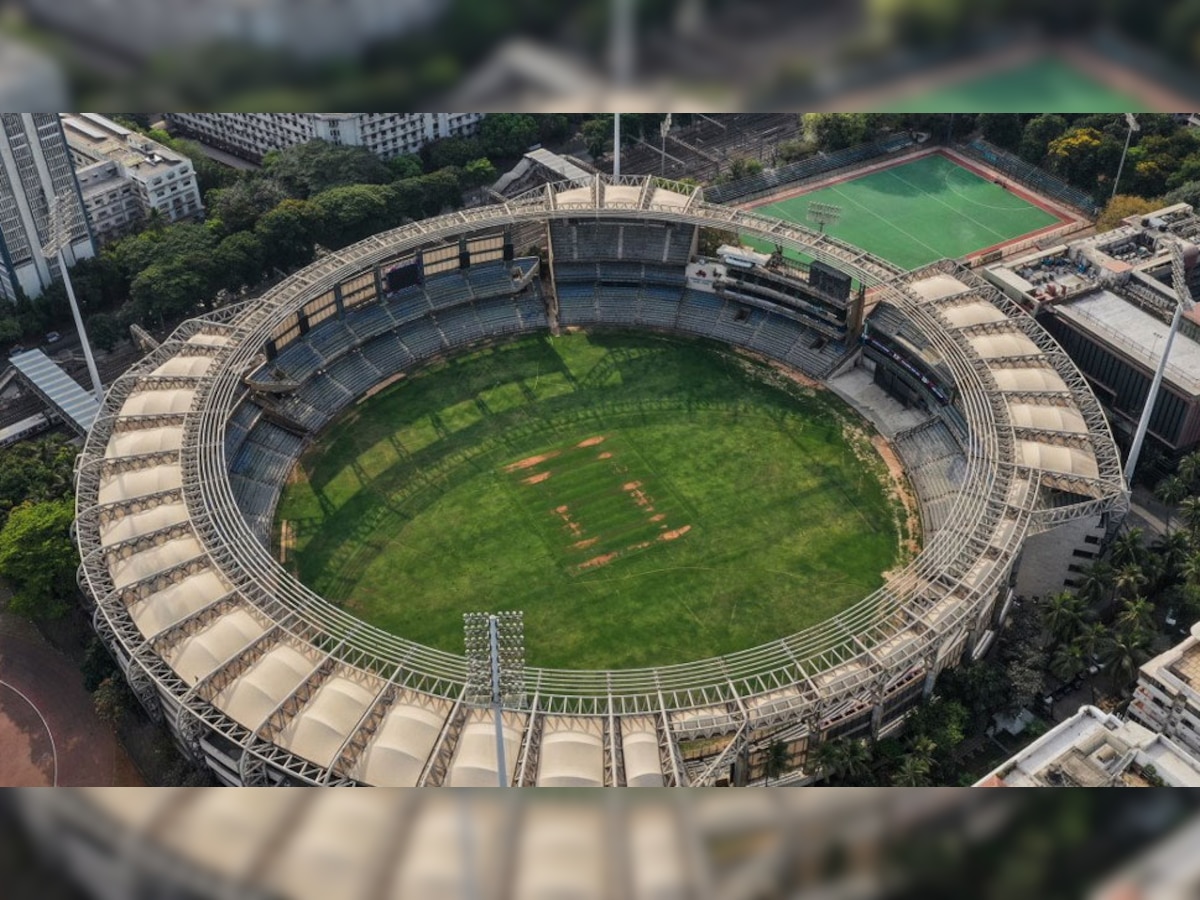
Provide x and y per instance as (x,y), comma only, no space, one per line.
(45,724)
(947,205)
(938,254)
(950,187)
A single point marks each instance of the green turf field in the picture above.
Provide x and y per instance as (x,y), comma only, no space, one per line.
(918,212)
(1047,85)
(645,501)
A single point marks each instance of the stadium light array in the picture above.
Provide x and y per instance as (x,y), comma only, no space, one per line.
(495,648)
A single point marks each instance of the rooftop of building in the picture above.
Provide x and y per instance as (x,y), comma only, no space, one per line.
(1138,334)
(1096,749)
(102,139)
(1179,664)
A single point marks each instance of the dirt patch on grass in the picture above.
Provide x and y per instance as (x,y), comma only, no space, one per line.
(675,533)
(901,490)
(585,543)
(530,461)
(604,455)
(591,442)
(631,485)
(658,517)
(536,479)
(603,560)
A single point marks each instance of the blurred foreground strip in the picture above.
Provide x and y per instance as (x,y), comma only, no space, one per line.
(724,845)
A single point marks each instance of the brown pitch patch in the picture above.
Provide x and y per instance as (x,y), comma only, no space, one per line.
(530,461)
(605,455)
(676,533)
(591,442)
(658,517)
(602,560)
(631,485)
(536,479)
(584,544)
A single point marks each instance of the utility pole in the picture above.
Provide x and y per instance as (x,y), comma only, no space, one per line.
(1132,121)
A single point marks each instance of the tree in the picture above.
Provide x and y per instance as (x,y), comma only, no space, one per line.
(350,213)
(912,772)
(451,151)
(597,135)
(37,558)
(1068,661)
(111,700)
(406,165)
(1189,470)
(315,166)
(1002,129)
(1039,132)
(1136,616)
(242,204)
(743,168)
(1084,156)
(855,760)
(104,331)
(1129,579)
(1064,616)
(553,127)
(776,760)
(35,471)
(1124,653)
(479,172)
(837,131)
(1170,491)
(288,233)
(239,261)
(1122,206)
(507,134)
(1128,548)
(1097,582)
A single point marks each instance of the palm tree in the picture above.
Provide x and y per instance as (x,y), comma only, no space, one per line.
(776,760)
(856,760)
(1129,579)
(1170,491)
(1097,583)
(827,759)
(1068,661)
(1189,511)
(913,772)
(1171,550)
(1190,569)
(1189,470)
(1092,639)
(1063,616)
(1124,653)
(1128,548)
(1136,615)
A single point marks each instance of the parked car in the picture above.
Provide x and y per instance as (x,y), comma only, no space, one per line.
(15,349)
(53,337)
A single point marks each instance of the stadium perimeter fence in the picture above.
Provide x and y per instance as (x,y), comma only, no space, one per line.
(1031,176)
(768,182)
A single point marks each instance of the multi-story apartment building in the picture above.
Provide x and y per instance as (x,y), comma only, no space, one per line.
(35,167)
(124,175)
(1167,697)
(251,135)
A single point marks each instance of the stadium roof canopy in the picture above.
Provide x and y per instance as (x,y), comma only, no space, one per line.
(58,389)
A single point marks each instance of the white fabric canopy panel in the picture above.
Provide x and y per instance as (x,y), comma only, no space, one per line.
(402,743)
(256,692)
(572,753)
(158,611)
(206,651)
(319,730)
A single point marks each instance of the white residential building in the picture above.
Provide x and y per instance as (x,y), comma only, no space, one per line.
(124,175)
(1167,697)
(251,135)
(35,167)
(1096,749)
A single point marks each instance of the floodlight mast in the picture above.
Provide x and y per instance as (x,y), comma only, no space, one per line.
(1183,301)
(62,216)
(495,646)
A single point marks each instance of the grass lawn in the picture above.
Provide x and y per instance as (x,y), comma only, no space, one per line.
(919,212)
(645,501)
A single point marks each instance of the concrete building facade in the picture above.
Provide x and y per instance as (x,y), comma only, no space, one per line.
(35,167)
(252,135)
(1167,697)
(124,176)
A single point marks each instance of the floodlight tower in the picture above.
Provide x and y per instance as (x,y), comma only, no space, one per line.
(62,223)
(824,214)
(496,669)
(1132,121)
(1179,267)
